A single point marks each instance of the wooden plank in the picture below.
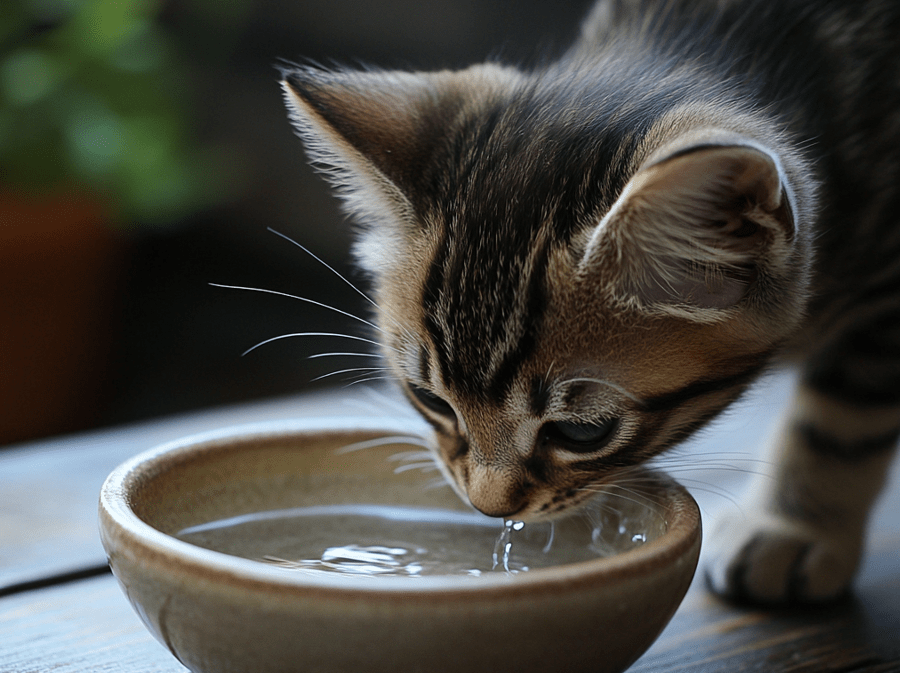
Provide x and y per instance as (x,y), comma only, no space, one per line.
(861,634)
(86,626)
(49,489)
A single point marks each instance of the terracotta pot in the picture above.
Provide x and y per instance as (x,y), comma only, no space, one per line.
(59,261)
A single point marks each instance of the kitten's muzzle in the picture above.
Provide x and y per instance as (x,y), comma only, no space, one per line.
(499,513)
(495,494)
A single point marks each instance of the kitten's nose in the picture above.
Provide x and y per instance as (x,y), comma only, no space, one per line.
(494,493)
(499,513)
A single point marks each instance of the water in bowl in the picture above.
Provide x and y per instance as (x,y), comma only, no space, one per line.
(379,540)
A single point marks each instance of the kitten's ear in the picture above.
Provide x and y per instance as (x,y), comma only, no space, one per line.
(694,230)
(373,133)
(365,131)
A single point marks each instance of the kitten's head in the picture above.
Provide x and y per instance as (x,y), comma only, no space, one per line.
(568,281)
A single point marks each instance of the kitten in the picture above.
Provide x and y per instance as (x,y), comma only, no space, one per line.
(579,265)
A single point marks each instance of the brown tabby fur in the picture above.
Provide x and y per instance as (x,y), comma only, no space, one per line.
(625,239)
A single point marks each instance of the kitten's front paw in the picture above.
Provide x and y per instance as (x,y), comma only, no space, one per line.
(774,561)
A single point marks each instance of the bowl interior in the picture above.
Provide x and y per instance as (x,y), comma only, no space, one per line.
(376,499)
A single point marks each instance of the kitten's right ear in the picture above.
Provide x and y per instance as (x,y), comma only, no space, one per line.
(372,133)
(361,131)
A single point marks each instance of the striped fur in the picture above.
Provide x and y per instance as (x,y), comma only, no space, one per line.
(613,246)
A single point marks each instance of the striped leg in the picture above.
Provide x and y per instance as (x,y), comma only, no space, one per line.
(800,534)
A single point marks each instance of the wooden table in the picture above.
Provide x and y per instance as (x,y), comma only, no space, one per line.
(61,611)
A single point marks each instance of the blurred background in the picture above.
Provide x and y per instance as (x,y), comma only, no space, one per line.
(145,152)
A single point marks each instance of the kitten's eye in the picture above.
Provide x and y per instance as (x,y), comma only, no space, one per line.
(432,402)
(582,437)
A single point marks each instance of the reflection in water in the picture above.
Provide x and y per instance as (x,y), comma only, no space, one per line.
(377,540)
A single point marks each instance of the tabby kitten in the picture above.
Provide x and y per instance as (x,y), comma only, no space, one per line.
(579,265)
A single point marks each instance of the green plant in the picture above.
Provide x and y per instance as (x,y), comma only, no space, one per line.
(92,96)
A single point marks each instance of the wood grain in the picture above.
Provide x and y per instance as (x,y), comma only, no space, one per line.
(861,634)
(82,627)
(49,489)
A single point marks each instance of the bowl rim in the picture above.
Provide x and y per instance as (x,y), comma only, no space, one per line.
(124,532)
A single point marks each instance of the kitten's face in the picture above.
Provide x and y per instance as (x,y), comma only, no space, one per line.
(529,425)
(560,295)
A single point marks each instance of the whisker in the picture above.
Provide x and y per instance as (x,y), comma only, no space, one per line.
(346,371)
(412,440)
(415,466)
(326,265)
(721,468)
(364,405)
(730,469)
(313,334)
(632,496)
(721,456)
(299,298)
(410,455)
(609,384)
(711,489)
(337,354)
(339,275)
(371,378)
(400,405)
(382,403)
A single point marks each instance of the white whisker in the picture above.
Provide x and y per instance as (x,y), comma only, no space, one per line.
(416,466)
(608,384)
(412,440)
(400,404)
(365,406)
(339,354)
(711,489)
(347,371)
(327,266)
(632,496)
(312,334)
(371,378)
(349,284)
(299,298)
(411,455)
(629,493)
(730,470)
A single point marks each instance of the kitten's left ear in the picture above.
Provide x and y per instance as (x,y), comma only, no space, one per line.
(693,230)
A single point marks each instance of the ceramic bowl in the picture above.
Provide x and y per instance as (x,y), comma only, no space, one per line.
(219,613)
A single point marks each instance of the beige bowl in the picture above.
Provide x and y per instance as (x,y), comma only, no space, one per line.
(219,613)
